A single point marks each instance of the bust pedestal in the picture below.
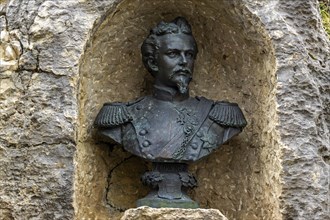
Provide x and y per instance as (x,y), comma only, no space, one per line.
(169,182)
(147,213)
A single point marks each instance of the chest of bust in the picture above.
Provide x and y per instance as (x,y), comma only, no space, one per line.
(158,123)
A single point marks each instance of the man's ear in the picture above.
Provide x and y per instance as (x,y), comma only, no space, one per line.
(153,65)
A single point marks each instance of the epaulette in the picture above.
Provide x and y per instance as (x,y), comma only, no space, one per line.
(112,114)
(228,114)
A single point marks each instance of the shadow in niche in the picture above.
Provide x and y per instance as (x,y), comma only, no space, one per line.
(235,63)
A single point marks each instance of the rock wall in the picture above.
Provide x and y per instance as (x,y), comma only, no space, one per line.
(303,95)
(61,60)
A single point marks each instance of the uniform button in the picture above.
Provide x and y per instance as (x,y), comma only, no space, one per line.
(138,107)
(194,146)
(199,134)
(150,157)
(146,143)
(143,132)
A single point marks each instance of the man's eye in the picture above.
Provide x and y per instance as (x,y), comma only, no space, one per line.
(190,54)
(171,54)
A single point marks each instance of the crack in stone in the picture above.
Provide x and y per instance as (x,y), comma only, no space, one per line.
(108,184)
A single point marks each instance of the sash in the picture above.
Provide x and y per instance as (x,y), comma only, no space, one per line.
(176,150)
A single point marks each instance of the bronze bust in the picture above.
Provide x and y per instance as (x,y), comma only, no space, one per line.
(169,127)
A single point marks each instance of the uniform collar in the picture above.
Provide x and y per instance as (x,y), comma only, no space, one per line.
(166,94)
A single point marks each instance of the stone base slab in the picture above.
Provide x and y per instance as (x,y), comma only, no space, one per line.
(153,200)
(147,213)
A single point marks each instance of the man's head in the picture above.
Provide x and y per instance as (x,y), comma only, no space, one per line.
(169,52)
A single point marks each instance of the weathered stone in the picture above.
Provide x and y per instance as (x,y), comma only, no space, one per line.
(10,50)
(65,59)
(303,102)
(28,60)
(36,182)
(147,213)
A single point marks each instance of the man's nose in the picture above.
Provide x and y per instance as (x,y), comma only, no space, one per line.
(183,60)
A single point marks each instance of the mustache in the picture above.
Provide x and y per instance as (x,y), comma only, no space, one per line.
(183,71)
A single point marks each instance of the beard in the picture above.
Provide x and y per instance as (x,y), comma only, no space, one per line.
(181,80)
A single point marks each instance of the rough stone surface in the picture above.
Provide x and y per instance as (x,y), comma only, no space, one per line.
(39,60)
(303,105)
(147,213)
(61,60)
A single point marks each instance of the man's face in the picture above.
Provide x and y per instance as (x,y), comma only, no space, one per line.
(175,61)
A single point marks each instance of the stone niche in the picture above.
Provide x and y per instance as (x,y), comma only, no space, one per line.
(235,62)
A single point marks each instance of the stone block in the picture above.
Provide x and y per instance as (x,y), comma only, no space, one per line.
(147,213)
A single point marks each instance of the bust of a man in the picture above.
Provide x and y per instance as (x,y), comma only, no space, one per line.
(169,125)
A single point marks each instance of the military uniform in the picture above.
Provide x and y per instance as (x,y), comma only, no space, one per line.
(162,130)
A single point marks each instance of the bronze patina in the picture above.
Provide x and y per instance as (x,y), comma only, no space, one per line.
(170,128)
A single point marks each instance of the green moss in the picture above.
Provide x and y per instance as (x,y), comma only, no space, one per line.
(325,13)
